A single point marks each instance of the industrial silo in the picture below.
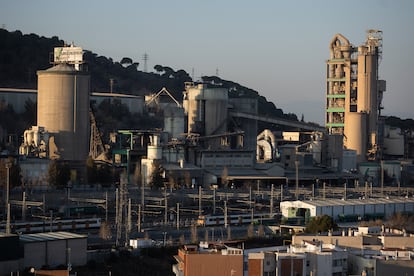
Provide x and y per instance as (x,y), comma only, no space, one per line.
(174,121)
(355,133)
(206,109)
(63,110)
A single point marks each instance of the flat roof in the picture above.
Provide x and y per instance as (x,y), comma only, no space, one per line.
(50,236)
(338,202)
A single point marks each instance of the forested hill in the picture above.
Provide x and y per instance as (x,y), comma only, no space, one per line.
(22,55)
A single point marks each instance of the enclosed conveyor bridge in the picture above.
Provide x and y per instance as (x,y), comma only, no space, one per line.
(278,121)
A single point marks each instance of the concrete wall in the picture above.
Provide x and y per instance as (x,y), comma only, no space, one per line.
(398,242)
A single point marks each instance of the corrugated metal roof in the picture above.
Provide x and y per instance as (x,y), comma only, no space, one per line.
(50,236)
(338,202)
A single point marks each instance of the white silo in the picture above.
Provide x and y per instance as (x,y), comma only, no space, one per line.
(63,110)
(154,149)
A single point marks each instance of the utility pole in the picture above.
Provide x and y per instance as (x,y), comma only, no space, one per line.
(178,216)
(271,200)
(199,200)
(165,208)
(106,207)
(214,199)
(382,178)
(345,191)
(8,220)
(139,218)
(297,179)
(281,192)
(24,207)
(313,190)
(128,228)
(250,195)
(6,208)
(121,223)
(142,198)
(225,214)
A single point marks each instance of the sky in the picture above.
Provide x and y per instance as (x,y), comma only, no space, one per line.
(278,48)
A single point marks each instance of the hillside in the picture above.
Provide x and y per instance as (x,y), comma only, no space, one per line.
(21,55)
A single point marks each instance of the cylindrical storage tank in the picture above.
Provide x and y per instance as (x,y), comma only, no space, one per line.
(367,85)
(206,109)
(63,110)
(216,100)
(174,121)
(355,132)
(154,152)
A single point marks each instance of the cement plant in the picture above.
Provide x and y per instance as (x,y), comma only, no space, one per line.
(211,178)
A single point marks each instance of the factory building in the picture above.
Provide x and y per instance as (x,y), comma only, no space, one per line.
(344,210)
(51,249)
(54,249)
(211,133)
(354,94)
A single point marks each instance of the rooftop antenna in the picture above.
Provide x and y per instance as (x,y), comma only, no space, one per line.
(145,58)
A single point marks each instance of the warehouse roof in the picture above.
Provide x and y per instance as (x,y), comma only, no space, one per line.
(338,202)
(50,236)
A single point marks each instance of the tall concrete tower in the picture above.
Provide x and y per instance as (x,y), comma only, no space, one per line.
(354,94)
(63,110)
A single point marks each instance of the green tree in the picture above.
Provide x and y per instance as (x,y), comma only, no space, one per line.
(224,177)
(156,177)
(14,173)
(30,112)
(320,224)
(194,233)
(105,231)
(91,170)
(126,61)
(58,174)
(250,231)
